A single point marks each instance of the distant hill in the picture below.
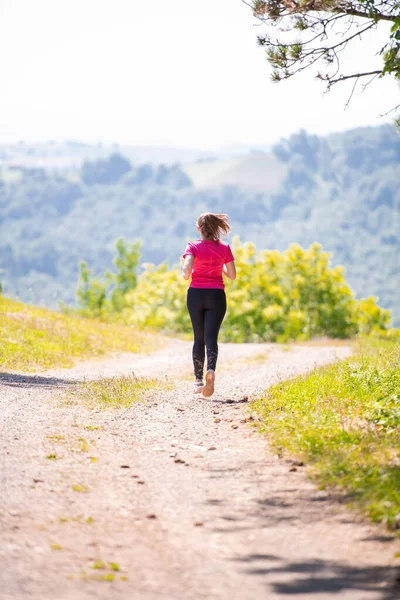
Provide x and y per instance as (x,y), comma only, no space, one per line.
(71,154)
(342,190)
(258,171)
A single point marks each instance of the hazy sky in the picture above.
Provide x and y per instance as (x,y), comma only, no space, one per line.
(160,72)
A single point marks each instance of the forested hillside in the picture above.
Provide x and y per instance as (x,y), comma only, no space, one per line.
(342,191)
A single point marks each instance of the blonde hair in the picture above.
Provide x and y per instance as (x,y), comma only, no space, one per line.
(212,226)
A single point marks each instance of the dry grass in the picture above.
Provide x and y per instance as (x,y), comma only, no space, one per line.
(115,392)
(34,339)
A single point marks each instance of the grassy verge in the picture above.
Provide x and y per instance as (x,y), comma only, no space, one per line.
(344,420)
(35,338)
(114,392)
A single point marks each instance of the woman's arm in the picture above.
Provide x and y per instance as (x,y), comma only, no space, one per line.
(230,270)
(188,266)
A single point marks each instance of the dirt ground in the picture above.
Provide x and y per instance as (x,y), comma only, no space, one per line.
(177,498)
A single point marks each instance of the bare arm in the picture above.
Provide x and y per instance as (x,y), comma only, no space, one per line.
(188,266)
(230,270)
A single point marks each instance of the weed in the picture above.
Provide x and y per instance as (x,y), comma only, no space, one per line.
(52,457)
(78,519)
(56,547)
(84,446)
(116,392)
(107,577)
(82,489)
(98,564)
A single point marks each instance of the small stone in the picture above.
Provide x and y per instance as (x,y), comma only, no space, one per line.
(292,469)
(298,463)
(179,461)
(135,476)
(140,481)
(174,443)
(234,426)
(124,467)
(38,481)
(180,409)
(198,524)
(217,420)
(211,448)
(173,454)
(215,412)
(152,516)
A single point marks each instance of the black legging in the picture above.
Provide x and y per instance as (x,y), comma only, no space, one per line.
(207,308)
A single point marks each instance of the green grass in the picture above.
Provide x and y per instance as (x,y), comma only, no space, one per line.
(81,489)
(114,392)
(344,420)
(56,547)
(34,339)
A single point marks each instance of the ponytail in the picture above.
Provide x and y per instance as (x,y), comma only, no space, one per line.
(213,227)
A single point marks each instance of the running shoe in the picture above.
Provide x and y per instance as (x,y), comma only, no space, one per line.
(198,386)
(208,389)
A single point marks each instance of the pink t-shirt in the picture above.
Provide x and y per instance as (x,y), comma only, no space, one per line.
(209,258)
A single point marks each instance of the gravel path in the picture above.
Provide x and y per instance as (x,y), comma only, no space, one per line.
(179,493)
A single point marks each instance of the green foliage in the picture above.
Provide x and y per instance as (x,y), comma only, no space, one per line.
(318,27)
(91,293)
(294,295)
(125,278)
(341,191)
(159,301)
(344,420)
(100,297)
(105,172)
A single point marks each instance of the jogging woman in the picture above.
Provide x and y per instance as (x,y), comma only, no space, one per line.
(205,261)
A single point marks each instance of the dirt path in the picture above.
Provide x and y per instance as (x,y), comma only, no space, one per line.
(182,495)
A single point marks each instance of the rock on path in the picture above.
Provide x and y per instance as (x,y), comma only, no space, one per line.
(177,498)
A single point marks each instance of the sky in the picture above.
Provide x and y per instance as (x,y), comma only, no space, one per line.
(162,73)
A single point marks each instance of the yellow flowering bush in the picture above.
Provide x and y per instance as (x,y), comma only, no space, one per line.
(277,296)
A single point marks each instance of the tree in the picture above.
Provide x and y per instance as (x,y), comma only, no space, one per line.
(105,172)
(107,295)
(91,293)
(304,33)
(125,279)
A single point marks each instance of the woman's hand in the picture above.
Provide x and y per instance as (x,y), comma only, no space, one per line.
(188,266)
(230,270)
